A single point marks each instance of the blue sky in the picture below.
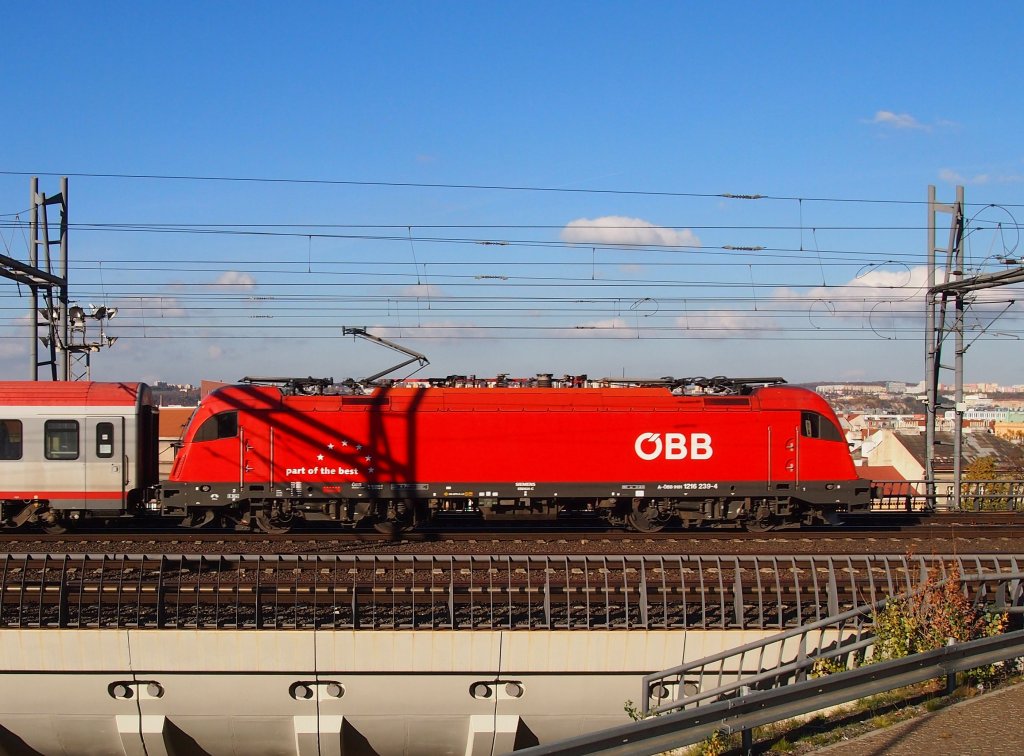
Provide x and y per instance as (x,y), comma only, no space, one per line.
(634,118)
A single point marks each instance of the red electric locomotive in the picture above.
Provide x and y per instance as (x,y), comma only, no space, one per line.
(758,456)
(762,456)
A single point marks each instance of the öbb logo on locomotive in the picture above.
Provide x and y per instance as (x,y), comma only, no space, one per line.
(272,453)
(649,446)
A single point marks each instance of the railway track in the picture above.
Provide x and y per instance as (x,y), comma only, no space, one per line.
(887,534)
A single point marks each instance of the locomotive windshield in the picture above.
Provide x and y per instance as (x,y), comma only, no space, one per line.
(813,425)
(222,425)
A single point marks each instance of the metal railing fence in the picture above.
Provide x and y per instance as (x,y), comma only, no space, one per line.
(464,592)
(791,655)
(997,495)
(761,707)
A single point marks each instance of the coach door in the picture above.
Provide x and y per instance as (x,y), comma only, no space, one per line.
(105,467)
(63,468)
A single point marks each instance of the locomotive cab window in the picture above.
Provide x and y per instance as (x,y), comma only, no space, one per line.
(104,440)
(10,439)
(223,425)
(813,425)
(60,439)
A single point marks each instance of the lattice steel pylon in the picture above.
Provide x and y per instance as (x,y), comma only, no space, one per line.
(945,305)
(49,323)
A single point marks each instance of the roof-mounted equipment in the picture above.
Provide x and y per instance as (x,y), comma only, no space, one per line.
(309,386)
(413,356)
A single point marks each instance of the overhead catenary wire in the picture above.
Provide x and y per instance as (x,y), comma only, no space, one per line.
(730,253)
(486,283)
(746,197)
(303,229)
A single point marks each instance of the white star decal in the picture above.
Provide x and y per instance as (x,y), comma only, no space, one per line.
(344,443)
(330,446)
(368,458)
(359,447)
(369,469)
(320,457)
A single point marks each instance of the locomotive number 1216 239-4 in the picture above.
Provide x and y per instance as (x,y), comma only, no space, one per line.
(688,487)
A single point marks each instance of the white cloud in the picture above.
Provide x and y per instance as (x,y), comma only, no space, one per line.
(953,177)
(912,280)
(155,307)
(897,120)
(619,230)
(436,329)
(214,352)
(885,301)
(729,322)
(880,281)
(14,348)
(426,291)
(235,280)
(610,327)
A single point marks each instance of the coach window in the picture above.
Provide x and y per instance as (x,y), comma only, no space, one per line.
(814,425)
(223,425)
(10,439)
(61,439)
(104,440)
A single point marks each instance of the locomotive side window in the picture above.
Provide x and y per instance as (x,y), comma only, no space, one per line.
(104,440)
(10,439)
(223,425)
(60,439)
(813,425)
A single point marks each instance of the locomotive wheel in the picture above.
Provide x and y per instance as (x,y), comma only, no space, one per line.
(388,528)
(270,524)
(762,519)
(198,520)
(397,518)
(52,523)
(646,519)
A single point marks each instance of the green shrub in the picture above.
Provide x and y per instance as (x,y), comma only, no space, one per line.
(823,667)
(930,617)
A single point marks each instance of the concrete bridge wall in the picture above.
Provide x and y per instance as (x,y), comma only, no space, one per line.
(434,692)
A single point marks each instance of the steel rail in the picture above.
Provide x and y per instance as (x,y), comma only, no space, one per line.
(860,527)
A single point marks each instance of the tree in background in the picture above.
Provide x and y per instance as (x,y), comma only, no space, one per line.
(984,488)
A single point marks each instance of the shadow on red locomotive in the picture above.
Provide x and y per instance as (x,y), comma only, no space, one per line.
(271,453)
